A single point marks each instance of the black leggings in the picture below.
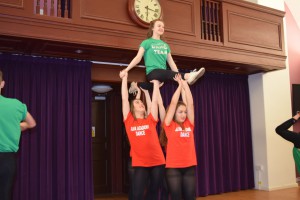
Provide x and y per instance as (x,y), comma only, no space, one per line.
(7,174)
(140,181)
(130,174)
(181,183)
(161,75)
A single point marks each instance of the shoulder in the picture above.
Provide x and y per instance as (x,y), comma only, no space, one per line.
(187,122)
(11,100)
(146,41)
(151,118)
(129,118)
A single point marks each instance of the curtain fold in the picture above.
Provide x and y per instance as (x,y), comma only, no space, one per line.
(222,132)
(54,160)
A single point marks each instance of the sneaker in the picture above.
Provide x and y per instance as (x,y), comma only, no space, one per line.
(195,75)
(133,88)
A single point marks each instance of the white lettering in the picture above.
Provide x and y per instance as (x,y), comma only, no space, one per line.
(184,134)
(140,133)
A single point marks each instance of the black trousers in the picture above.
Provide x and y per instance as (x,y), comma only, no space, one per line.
(181,183)
(8,166)
(161,75)
(142,176)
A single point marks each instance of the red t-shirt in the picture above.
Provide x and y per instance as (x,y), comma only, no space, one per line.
(143,138)
(181,145)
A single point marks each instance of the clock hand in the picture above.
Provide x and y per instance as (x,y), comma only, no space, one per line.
(150,9)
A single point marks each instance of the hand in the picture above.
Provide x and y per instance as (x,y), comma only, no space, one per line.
(123,74)
(177,78)
(161,84)
(155,82)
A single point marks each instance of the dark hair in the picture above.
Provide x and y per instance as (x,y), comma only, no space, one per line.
(151,26)
(1,76)
(162,136)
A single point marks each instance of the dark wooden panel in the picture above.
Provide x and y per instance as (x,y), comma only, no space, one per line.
(179,17)
(111,11)
(100,148)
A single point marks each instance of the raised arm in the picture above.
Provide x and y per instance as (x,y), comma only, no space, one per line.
(138,94)
(189,101)
(29,122)
(171,63)
(174,101)
(124,92)
(148,100)
(154,107)
(136,60)
(161,107)
(183,96)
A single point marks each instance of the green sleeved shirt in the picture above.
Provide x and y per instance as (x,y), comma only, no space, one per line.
(12,112)
(156,53)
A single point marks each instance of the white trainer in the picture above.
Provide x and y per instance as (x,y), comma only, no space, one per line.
(195,75)
(133,88)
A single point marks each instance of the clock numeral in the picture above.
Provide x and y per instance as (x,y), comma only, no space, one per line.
(155,15)
(155,4)
(137,6)
(138,11)
(142,16)
(156,10)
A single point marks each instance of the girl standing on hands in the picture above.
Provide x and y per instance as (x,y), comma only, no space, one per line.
(147,157)
(181,155)
(156,53)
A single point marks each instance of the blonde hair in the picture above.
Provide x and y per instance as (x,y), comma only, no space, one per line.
(151,26)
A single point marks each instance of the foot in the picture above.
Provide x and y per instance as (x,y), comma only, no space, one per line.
(195,75)
(133,88)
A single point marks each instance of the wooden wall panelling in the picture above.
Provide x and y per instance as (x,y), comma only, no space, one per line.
(253,30)
(179,17)
(114,29)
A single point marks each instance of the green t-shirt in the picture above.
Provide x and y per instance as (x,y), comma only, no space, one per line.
(12,112)
(296,155)
(156,53)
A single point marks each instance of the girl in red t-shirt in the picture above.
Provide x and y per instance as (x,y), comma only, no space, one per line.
(147,157)
(181,155)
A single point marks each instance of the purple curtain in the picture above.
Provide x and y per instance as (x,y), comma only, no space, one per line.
(54,160)
(222,132)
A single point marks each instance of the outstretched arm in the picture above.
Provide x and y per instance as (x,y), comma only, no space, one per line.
(124,92)
(189,101)
(174,101)
(183,96)
(136,60)
(154,107)
(148,100)
(171,63)
(29,122)
(138,95)
(161,107)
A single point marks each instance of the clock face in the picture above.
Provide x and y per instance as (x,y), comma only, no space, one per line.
(147,10)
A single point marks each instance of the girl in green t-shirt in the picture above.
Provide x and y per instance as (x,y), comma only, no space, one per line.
(156,53)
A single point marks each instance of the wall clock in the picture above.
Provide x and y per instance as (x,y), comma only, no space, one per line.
(143,12)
